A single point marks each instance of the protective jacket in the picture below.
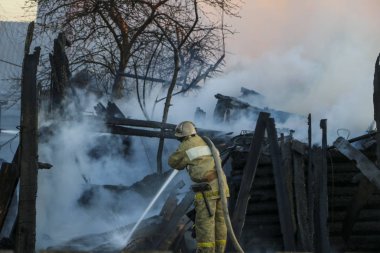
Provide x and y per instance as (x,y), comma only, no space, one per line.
(194,155)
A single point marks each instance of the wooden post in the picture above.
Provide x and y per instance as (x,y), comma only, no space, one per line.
(310,184)
(249,172)
(26,235)
(282,194)
(321,229)
(304,234)
(60,72)
(376,104)
(287,166)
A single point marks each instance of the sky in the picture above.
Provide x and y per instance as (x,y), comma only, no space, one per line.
(13,10)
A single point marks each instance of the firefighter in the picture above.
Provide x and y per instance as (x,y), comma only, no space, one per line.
(194,155)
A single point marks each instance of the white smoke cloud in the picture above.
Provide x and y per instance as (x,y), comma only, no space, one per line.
(84,158)
(305,57)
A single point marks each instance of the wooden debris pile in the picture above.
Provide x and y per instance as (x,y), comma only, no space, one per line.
(229,109)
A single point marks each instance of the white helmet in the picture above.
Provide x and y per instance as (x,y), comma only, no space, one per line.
(185,128)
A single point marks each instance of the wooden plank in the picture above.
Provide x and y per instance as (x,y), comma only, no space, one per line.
(137,123)
(139,132)
(114,111)
(8,181)
(304,234)
(154,124)
(169,232)
(322,244)
(249,172)
(365,191)
(366,166)
(284,209)
(299,147)
(121,127)
(287,162)
(26,236)
(179,244)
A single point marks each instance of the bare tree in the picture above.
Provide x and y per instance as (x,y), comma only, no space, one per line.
(177,34)
(104,33)
(112,38)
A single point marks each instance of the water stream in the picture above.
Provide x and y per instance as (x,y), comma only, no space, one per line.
(163,187)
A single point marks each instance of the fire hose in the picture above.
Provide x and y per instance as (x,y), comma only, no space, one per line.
(222,194)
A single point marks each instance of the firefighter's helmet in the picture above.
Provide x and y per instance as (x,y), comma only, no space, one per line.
(185,128)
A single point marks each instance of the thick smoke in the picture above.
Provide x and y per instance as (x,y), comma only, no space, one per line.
(72,201)
(305,57)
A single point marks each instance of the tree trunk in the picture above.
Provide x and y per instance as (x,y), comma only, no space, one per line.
(166,110)
(118,85)
(117,88)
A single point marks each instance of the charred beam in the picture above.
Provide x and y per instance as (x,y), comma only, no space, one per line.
(310,183)
(60,72)
(304,235)
(140,132)
(249,172)
(135,127)
(287,160)
(362,162)
(26,236)
(282,193)
(138,123)
(321,207)
(169,232)
(376,104)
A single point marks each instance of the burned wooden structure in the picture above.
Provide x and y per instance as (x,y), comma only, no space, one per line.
(274,183)
(229,109)
(344,192)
